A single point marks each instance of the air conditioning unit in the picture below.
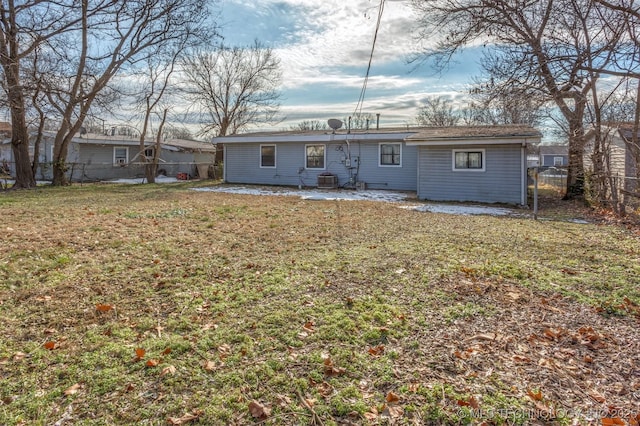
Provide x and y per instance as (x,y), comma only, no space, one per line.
(327,181)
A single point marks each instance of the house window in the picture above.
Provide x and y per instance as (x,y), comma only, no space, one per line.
(120,155)
(149,153)
(464,160)
(558,161)
(390,154)
(267,155)
(315,156)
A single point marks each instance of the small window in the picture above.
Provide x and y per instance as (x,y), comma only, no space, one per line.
(558,161)
(267,155)
(149,153)
(468,160)
(120,155)
(315,156)
(390,154)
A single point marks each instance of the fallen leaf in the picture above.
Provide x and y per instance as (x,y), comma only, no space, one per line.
(376,350)
(73,389)
(140,353)
(170,369)
(50,345)
(392,397)
(209,365)
(521,358)
(103,307)
(330,369)
(471,402)
(19,356)
(596,396)
(393,411)
(308,326)
(50,331)
(536,396)
(152,363)
(167,351)
(612,421)
(372,414)
(184,419)
(259,411)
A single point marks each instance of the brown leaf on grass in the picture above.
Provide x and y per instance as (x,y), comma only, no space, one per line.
(536,396)
(73,389)
(209,365)
(596,396)
(19,356)
(521,358)
(50,331)
(372,414)
(152,363)
(392,397)
(184,419)
(308,327)
(167,351)
(332,370)
(471,402)
(100,307)
(170,369)
(552,334)
(259,411)
(606,421)
(140,353)
(50,345)
(325,389)
(393,411)
(376,350)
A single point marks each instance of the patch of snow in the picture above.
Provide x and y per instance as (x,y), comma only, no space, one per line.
(464,210)
(314,194)
(368,195)
(159,179)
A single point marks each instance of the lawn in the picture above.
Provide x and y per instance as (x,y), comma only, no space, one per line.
(158,304)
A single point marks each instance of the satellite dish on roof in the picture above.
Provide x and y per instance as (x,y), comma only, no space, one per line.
(334,123)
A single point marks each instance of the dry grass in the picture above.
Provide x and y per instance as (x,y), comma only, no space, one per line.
(283,311)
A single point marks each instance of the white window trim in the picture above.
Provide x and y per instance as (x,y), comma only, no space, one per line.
(115,163)
(380,154)
(453,160)
(275,156)
(324,160)
(558,158)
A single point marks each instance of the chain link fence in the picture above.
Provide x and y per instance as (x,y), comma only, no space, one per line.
(98,172)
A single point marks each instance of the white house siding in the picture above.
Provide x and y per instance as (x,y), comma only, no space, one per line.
(242,165)
(501,182)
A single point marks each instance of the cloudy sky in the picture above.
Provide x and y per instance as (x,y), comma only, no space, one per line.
(324,47)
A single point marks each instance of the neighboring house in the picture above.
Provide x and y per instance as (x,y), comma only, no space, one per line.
(619,156)
(93,157)
(481,163)
(553,155)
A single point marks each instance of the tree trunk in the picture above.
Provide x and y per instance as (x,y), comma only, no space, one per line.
(575,169)
(20,135)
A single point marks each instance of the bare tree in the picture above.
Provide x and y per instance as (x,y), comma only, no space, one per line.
(87,43)
(24,27)
(437,112)
(541,46)
(233,87)
(310,125)
(359,120)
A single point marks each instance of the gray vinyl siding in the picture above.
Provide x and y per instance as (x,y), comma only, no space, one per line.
(548,159)
(242,165)
(501,182)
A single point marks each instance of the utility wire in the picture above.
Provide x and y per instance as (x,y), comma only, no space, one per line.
(358,109)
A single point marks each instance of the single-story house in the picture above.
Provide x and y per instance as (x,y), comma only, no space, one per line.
(553,155)
(471,163)
(621,162)
(95,157)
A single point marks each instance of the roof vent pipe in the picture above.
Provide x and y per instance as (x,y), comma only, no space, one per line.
(378,121)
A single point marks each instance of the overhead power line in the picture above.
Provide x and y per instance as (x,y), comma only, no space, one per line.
(358,109)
